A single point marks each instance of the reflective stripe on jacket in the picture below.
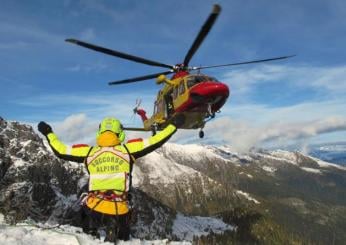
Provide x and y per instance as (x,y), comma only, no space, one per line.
(136,149)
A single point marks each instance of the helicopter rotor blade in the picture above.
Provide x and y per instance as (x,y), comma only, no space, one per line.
(203,33)
(141,78)
(118,54)
(243,63)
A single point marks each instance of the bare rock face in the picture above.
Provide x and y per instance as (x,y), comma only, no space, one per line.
(31,177)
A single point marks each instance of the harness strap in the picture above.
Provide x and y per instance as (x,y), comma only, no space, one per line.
(132,161)
(86,160)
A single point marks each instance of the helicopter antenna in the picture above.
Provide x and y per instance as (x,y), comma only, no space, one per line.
(138,103)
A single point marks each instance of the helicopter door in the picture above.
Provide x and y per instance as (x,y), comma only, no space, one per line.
(169,103)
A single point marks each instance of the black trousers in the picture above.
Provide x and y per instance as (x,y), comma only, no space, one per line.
(117,226)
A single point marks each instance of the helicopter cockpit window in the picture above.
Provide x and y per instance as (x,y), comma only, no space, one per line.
(181,87)
(193,80)
(155,108)
(175,92)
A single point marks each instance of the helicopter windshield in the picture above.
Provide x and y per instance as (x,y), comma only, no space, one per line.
(193,80)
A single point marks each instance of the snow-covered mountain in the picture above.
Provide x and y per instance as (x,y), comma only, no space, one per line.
(332,152)
(185,192)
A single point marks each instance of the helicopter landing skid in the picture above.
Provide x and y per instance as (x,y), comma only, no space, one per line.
(210,115)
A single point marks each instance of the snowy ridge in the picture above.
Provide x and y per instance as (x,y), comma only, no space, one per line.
(325,164)
(247,196)
(159,169)
(191,152)
(36,234)
(186,228)
(279,155)
(269,169)
(312,170)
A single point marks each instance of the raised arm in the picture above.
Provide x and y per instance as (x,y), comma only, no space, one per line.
(75,154)
(140,149)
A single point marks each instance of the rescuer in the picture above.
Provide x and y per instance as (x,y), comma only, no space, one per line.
(109,165)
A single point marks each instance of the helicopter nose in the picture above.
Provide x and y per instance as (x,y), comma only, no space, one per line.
(209,92)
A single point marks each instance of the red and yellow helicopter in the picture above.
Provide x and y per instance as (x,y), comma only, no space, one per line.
(197,96)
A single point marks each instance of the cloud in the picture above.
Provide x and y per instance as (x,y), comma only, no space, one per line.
(240,135)
(29,33)
(95,67)
(77,128)
(328,79)
(243,136)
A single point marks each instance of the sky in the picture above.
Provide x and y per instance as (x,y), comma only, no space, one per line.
(298,101)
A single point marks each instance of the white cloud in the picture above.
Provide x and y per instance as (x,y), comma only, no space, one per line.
(243,136)
(330,79)
(29,33)
(79,128)
(76,129)
(95,67)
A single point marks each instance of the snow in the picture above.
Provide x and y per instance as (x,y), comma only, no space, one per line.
(312,170)
(248,175)
(192,152)
(269,169)
(247,196)
(186,228)
(280,155)
(324,164)
(25,143)
(337,147)
(286,155)
(18,162)
(160,170)
(30,234)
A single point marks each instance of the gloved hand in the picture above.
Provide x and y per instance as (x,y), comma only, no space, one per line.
(44,128)
(178,120)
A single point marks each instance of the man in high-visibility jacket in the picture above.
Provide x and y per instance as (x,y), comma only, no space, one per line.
(109,165)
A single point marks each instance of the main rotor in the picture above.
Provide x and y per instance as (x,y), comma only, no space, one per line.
(184,66)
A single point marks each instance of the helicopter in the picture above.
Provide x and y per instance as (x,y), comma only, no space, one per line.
(195,96)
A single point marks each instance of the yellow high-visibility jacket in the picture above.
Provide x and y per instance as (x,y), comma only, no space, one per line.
(109,167)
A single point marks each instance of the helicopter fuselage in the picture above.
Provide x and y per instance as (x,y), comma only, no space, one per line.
(197,96)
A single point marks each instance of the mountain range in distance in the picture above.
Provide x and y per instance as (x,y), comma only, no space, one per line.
(204,194)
